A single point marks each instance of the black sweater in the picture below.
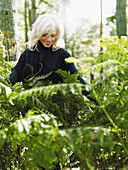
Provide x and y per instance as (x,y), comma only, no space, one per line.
(41,62)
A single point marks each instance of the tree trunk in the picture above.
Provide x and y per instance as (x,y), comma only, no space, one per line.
(64,24)
(101,20)
(7,26)
(121,20)
(26,19)
(29,16)
(33,12)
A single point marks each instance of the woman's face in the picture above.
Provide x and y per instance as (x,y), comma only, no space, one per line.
(48,39)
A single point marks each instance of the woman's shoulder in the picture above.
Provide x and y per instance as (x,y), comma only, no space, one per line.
(64,52)
(24,52)
(28,52)
(26,55)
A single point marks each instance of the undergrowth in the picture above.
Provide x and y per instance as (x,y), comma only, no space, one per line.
(47,124)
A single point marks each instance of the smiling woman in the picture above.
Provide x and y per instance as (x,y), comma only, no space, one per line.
(44,57)
(48,39)
(48,29)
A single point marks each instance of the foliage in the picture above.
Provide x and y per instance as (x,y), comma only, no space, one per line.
(49,123)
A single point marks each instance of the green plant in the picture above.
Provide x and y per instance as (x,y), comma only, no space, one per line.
(50,123)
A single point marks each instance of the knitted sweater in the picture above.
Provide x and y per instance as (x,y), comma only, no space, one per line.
(44,61)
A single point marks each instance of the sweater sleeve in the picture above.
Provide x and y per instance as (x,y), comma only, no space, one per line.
(70,66)
(13,77)
(67,66)
(16,74)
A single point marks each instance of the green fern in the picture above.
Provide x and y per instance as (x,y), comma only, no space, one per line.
(55,119)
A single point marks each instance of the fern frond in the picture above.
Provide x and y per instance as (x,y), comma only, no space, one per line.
(5,89)
(50,90)
(114,46)
(31,82)
(67,76)
(38,124)
(93,135)
(104,64)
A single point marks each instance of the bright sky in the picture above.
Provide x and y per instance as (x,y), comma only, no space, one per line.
(89,9)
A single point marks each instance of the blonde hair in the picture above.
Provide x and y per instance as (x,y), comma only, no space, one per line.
(46,23)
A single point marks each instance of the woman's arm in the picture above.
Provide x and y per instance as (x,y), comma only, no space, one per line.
(16,74)
(71,67)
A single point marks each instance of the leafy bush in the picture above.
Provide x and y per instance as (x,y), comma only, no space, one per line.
(47,124)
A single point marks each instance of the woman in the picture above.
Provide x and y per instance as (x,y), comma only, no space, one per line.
(43,57)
